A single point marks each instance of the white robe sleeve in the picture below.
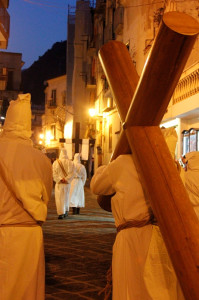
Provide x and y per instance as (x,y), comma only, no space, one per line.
(83,174)
(101,182)
(34,200)
(57,173)
(71,172)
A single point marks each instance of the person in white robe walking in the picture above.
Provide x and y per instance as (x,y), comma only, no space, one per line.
(25,184)
(77,197)
(141,268)
(63,173)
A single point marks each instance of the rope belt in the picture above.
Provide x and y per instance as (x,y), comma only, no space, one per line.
(135,223)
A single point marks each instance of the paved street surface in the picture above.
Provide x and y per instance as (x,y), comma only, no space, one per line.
(78,251)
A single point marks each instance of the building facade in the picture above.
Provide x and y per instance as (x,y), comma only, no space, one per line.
(4,24)
(36,122)
(4,36)
(80,93)
(135,23)
(79,77)
(141,24)
(54,118)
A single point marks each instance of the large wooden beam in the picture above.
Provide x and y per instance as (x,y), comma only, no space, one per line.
(127,80)
(122,81)
(170,203)
(175,215)
(117,63)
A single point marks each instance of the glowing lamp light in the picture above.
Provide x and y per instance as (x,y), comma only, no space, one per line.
(48,137)
(41,136)
(92,112)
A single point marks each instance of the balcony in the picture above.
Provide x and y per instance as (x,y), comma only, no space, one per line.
(51,103)
(118,20)
(188,85)
(4,27)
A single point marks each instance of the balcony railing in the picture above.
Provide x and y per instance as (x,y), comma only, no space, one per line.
(118,20)
(4,28)
(51,103)
(187,86)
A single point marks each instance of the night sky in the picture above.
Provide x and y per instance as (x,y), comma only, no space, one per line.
(35,25)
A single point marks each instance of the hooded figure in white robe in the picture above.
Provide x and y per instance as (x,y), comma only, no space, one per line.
(141,268)
(63,173)
(192,179)
(77,197)
(25,184)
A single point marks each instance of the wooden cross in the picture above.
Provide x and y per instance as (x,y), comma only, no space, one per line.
(77,141)
(170,203)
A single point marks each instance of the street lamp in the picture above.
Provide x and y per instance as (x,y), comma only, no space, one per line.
(92,112)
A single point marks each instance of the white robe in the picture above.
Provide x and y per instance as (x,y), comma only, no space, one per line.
(62,189)
(133,266)
(191,179)
(29,174)
(77,197)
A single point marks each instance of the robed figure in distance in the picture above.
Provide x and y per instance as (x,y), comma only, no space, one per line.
(77,197)
(63,173)
(25,184)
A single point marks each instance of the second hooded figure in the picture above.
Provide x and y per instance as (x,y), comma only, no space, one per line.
(76,196)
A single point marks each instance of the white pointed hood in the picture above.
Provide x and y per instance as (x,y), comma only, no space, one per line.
(63,154)
(76,159)
(18,117)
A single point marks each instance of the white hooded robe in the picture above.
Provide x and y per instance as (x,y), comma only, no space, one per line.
(77,197)
(25,184)
(62,189)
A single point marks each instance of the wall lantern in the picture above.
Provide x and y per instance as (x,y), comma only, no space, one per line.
(92,112)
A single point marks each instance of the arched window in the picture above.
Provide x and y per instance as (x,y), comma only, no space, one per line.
(190,140)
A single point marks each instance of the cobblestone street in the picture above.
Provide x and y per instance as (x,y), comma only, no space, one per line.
(78,251)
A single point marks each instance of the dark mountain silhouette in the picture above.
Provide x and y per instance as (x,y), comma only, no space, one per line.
(51,64)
